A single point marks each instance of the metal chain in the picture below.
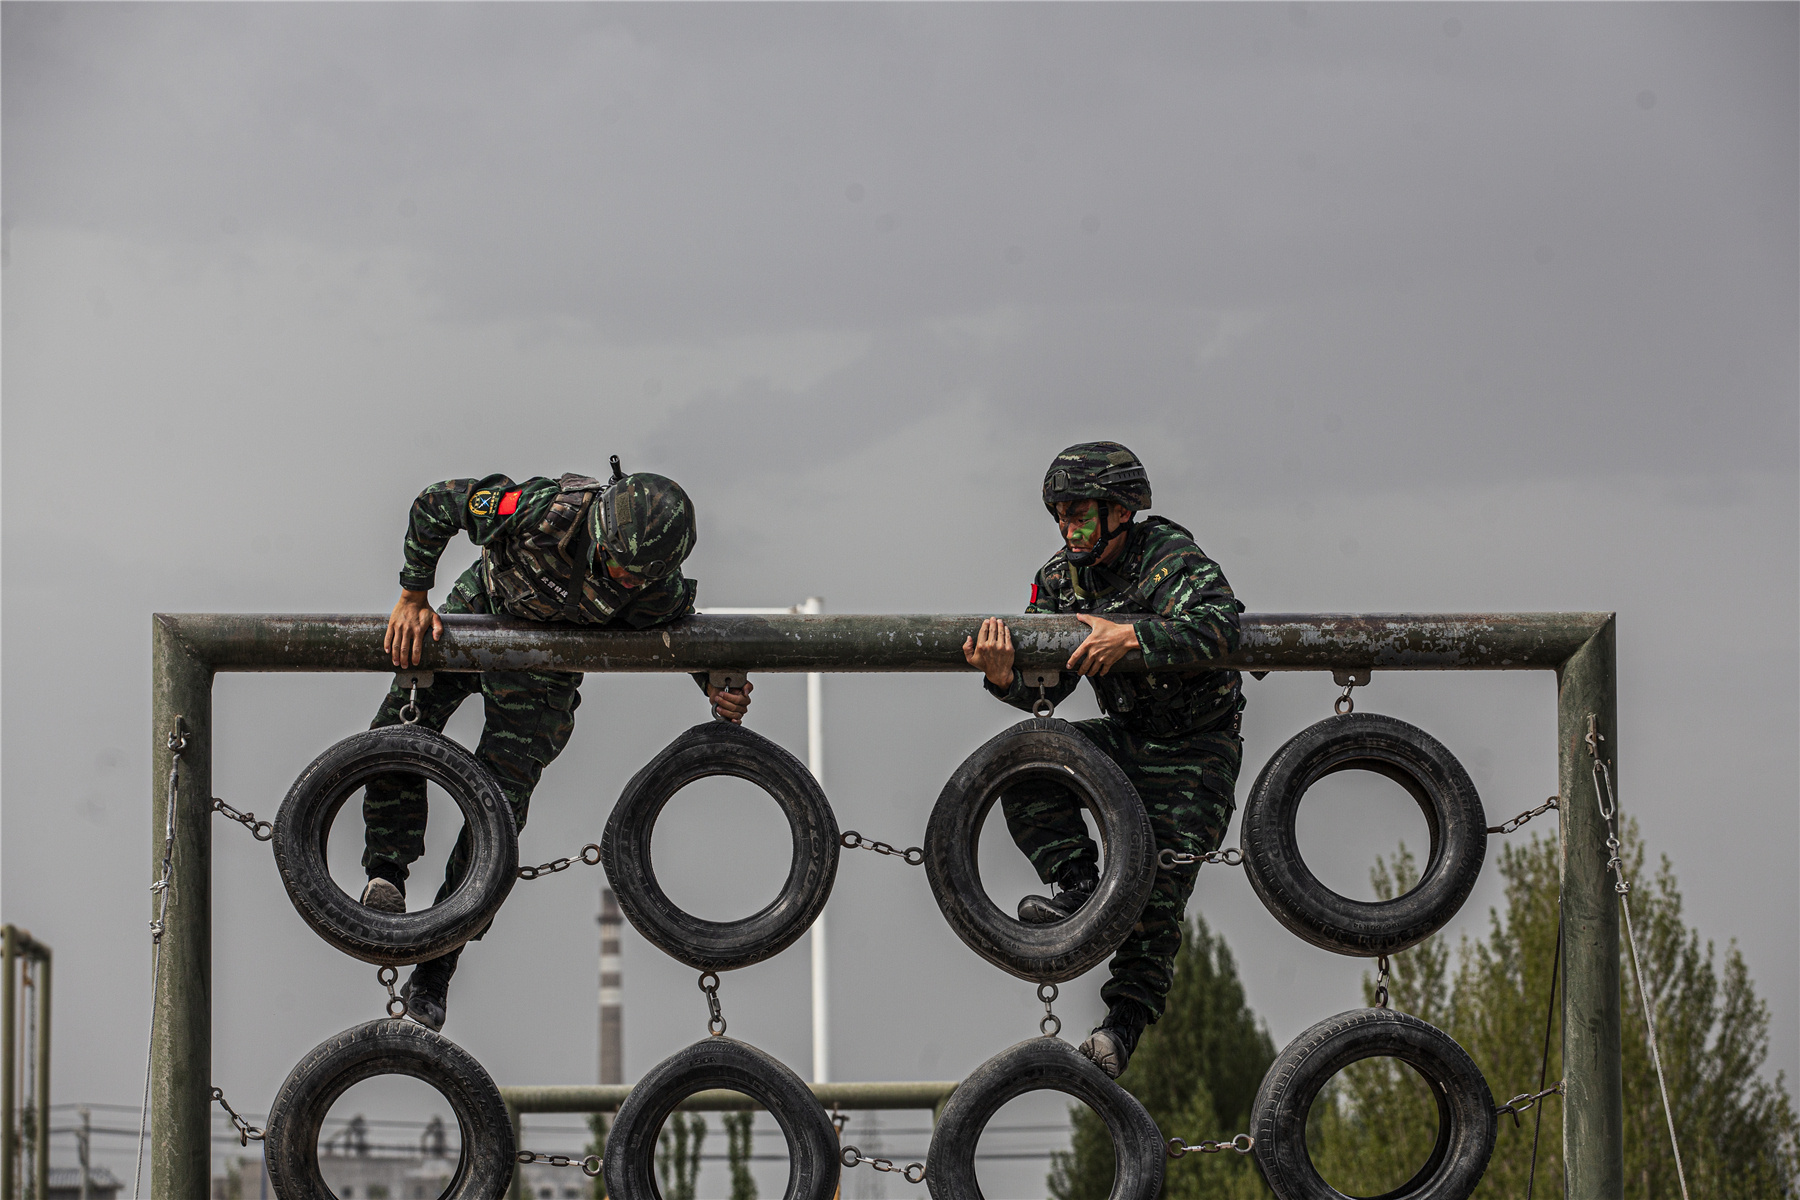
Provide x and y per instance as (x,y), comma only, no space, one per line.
(1051,1025)
(1609,806)
(1381,978)
(246,1132)
(913,1173)
(262,831)
(1167,859)
(177,744)
(716,1014)
(1045,708)
(409,712)
(855,841)
(387,977)
(1553,804)
(1524,1101)
(589,854)
(590,1166)
(1243,1143)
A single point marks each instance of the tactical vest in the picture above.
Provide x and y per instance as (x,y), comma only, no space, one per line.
(542,572)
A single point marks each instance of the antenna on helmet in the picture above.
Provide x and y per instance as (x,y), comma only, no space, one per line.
(616,473)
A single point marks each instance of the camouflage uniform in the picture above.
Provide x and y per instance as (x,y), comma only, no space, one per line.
(537,562)
(1173,729)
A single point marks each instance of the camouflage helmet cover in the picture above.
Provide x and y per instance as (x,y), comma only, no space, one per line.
(646,523)
(1097,471)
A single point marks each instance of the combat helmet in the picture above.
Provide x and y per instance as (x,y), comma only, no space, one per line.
(645,522)
(1103,471)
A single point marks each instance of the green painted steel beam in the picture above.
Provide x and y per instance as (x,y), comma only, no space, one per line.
(1593,1103)
(605,1098)
(878,642)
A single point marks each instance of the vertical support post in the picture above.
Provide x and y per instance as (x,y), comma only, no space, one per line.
(180,1150)
(1593,1104)
(40,1155)
(612,1015)
(815,761)
(9,1016)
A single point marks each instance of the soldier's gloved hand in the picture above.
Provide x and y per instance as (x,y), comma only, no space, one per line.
(1105,645)
(991,649)
(730,706)
(407,626)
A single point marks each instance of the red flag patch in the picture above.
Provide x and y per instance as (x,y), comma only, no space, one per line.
(509,503)
(1034,593)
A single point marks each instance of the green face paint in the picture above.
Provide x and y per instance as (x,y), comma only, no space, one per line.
(1081,523)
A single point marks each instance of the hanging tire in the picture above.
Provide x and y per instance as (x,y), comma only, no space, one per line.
(1042,1063)
(1430,774)
(721,1062)
(1057,952)
(1466,1121)
(388,1047)
(394,939)
(722,748)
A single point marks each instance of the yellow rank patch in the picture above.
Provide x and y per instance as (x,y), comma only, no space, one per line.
(483,503)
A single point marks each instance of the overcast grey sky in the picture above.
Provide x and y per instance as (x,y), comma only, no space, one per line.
(1407,308)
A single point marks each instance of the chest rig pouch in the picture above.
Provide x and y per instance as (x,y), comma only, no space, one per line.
(541,572)
(1161,704)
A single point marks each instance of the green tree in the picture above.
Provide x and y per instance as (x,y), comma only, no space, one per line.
(737,1139)
(1375,1124)
(597,1124)
(678,1155)
(1196,1071)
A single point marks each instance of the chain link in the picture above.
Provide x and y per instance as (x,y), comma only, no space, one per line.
(1381,978)
(1553,804)
(1045,708)
(409,712)
(387,977)
(853,840)
(1609,807)
(715,1014)
(589,854)
(913,1173)
(590,1166)
(1051,1025)
(1167,859)
(1524,1101)
(1243,1143)
(246,1132)
(262,831)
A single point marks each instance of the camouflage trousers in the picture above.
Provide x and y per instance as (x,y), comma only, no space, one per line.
(529,716)
(1188,785)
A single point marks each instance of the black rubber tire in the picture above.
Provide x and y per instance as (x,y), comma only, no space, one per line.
(722,748)
(1042,1062)
(721,1062)
(388,1047)
(1057,952)
(1466,1121)
(1430,774)
(394,939)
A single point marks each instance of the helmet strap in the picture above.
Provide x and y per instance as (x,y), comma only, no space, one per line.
(1089,557)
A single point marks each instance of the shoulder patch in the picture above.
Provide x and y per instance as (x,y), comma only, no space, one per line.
(1034,593)
(509,503)
(482,503)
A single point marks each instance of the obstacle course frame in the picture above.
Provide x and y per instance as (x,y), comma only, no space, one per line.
(187,650)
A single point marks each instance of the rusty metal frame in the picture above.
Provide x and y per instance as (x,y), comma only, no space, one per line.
(189,649)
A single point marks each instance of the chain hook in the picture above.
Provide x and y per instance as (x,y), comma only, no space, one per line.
(409,712)
(1044,708)
(1381,978)
(1051,1025)
(715,1014)
(1349,680)
(387,977)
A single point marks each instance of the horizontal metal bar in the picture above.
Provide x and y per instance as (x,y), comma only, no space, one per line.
(592,1098)
(869,642)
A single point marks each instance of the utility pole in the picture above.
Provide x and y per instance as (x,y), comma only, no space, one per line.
(81,1150)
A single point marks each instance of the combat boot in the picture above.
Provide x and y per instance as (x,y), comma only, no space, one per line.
(1112,1042)
(427,990)
(382,896)
(1045,910)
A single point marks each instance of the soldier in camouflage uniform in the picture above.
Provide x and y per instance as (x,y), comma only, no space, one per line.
(1173,729)
(569,549)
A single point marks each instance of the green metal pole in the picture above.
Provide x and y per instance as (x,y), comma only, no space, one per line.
(181,1050)
(1593,1103)
(9,1145)
(41,1158)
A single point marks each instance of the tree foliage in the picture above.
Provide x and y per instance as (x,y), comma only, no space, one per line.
(678,1155)
(737,1138)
